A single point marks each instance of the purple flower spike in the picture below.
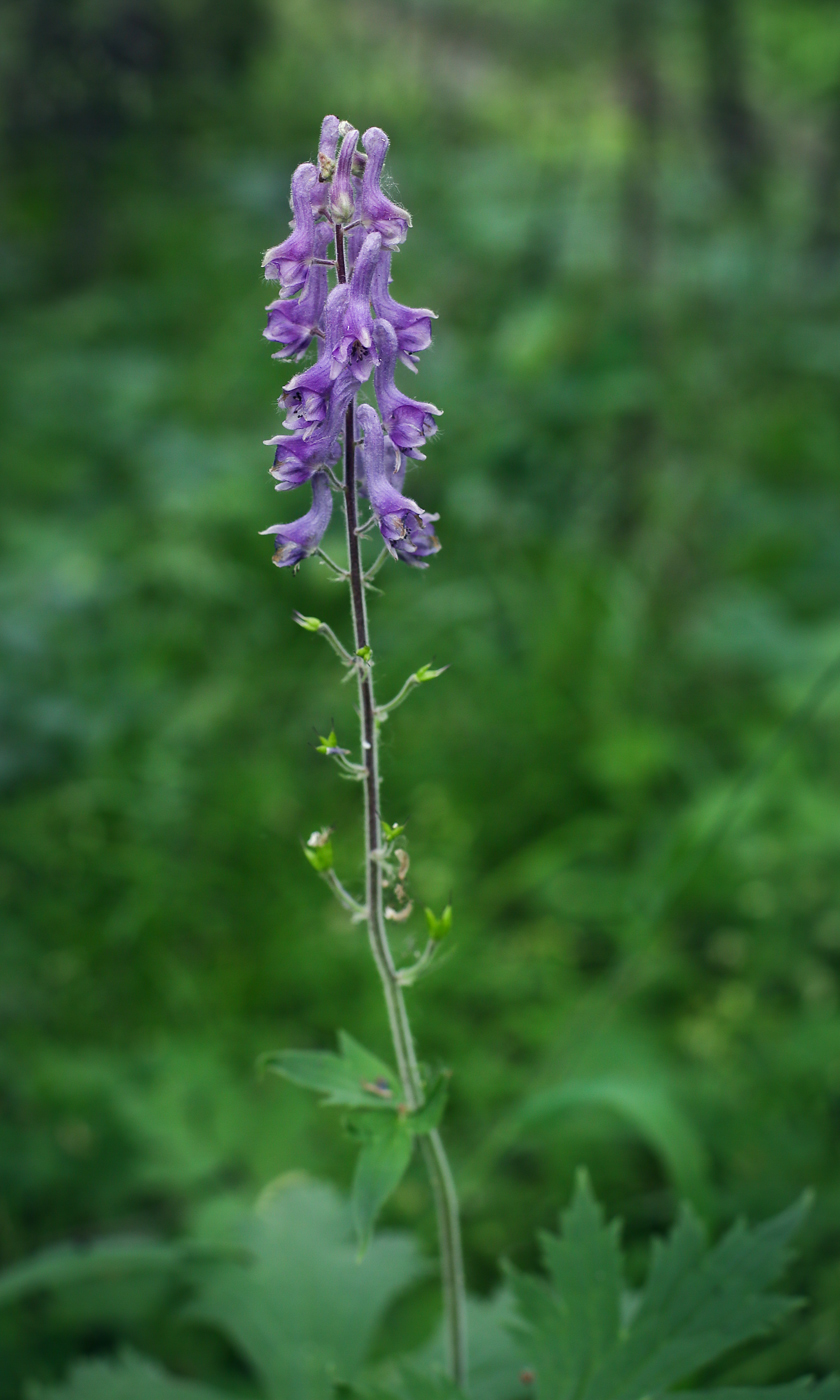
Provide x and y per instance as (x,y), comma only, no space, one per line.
(348,308)
(300,538)
(376,210)
(407,422)
(289,262)
(413,327)
(342,197)
(405,528)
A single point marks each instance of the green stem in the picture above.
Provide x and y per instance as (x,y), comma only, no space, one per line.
(437,1165)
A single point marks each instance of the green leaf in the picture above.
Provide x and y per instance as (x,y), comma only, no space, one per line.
(72,1265)
(495,1363)
(304,1311)
(353,1079)
(805,1389)
(646,1106)
(405,1381)
(573,1321)
(387,1144)
(698,1305)
(427,1118)
(130,1377)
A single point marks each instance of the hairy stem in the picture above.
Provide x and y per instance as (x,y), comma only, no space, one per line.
(437,1165)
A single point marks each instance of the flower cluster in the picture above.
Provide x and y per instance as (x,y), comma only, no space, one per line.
(345,221)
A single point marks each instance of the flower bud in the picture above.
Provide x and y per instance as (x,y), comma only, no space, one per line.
(438,928)
(318,850)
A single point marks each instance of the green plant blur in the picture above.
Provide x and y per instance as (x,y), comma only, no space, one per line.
(627,215)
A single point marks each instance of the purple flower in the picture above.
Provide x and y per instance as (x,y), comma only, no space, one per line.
(413,327)
(375,209)
(289,262)
(342,195)
(306,396)
(394,465)
(405,528)
(407,422)
(294,321)
(348,309)
(293,542)
(298,456)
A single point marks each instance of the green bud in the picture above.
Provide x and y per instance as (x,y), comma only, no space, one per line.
(330,746)
(425,673)
(391,832)
(365,653)
(318,850)
(309,624)
(438,928)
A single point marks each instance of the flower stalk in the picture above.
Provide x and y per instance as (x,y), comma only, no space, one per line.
(340,201)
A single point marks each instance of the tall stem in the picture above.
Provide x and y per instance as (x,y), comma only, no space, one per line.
(434,1154)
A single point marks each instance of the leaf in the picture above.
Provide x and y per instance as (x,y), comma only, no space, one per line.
(407,1382)
(71,1265)
(806,1389)
(573,1321)
(494,1358)
(427,1118)
(698,1304)
(353,1079)
(387,1144)
(645,1105)
(130,1377)
(304,1311)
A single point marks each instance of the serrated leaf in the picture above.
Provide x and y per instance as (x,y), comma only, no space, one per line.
(387,1144)
(805,1389)
(130,1377)
(427,1118)
(573,1321)
(698,1304)
(304,1311)
(352,1079)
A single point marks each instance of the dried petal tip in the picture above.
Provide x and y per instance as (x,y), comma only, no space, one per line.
(300,538)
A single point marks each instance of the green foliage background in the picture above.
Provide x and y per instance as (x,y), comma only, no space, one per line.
(626,214)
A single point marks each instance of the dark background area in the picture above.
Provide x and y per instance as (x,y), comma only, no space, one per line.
(627,214)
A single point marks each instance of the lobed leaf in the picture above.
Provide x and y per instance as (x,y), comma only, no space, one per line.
(303,1312)
(699,1303)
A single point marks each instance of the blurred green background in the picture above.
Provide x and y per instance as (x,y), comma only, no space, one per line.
(627,214)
